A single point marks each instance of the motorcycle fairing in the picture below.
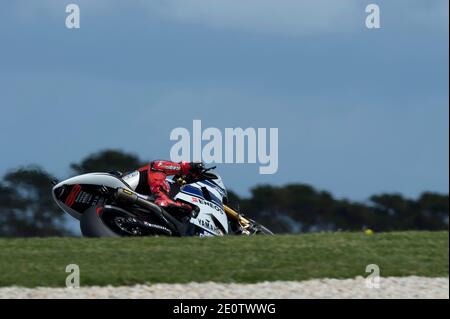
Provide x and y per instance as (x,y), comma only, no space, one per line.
(211,218)
(78,193)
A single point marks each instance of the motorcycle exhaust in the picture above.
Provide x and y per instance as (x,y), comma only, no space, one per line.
(128,197)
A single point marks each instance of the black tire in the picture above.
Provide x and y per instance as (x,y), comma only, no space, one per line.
(92,225)
(110,221)
(260,229)
(255,228)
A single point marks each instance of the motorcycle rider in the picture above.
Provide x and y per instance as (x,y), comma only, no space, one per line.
(151,179)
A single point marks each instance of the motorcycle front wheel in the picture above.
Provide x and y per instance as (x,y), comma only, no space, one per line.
(260,229)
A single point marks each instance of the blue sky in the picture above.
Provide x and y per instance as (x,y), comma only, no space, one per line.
(359,111)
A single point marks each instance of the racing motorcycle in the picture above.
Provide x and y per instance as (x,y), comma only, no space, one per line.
(107,206)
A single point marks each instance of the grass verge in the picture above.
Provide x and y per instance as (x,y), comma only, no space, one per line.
(124,261)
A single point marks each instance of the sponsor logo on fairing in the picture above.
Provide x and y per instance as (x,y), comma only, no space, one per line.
(207,224)
(205,202)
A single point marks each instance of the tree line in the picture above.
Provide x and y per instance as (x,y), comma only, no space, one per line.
(27,208)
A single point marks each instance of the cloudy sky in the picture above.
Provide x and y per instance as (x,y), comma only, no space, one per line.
(359,111)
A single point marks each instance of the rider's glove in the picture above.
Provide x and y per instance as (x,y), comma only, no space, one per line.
(192,168)
(197,167)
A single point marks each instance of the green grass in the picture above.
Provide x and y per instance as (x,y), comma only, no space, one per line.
(124,261)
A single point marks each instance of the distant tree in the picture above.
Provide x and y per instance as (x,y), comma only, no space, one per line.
(347,215)
(398,212)
(434,210)
(11,222)
(27,207)
(247,206)
(301,208)
(234,200)
(106,161)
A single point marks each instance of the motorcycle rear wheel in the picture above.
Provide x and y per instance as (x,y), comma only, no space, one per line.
(112,221)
